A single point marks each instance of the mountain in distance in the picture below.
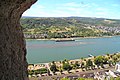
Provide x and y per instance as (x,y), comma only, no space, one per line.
(73,20)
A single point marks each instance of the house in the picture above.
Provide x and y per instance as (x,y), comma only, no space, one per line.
(114,73)
(117,67)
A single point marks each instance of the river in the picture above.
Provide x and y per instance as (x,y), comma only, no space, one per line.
(42,51)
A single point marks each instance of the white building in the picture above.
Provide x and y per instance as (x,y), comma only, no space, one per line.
(114,73)
(117,67)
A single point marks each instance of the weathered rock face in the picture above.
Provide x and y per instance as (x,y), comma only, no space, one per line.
(13,64)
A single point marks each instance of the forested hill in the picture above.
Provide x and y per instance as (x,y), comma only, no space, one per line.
(70,26)
(67,21)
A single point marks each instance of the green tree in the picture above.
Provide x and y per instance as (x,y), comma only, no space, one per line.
(67,67)
(99,60)
(42,70)
(84,79)
(76,65)
(31,72)
(53,68)
(89,63)
(115,58)
(65,79)
(118,78)
(81,79)
(82,65)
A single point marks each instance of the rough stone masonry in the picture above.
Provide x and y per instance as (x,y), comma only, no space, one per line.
(13,64)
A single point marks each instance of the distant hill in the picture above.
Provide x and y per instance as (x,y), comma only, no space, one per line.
(70,26)
(70,21)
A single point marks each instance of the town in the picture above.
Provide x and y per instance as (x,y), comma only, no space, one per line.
(69,27)
(93,67)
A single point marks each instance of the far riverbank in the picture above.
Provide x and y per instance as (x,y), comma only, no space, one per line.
(72,38)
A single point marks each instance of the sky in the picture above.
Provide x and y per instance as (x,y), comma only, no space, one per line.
(78,8)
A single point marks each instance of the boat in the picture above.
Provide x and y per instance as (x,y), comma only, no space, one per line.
(64,40)
(90,55)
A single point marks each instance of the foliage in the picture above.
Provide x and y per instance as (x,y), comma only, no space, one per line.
(118,78)
(39,71)
(68,21)
(85,79)
(76,65)
(66,27)
(82,65)
(89,64)
(42,70)
(67,67)
(65,79)
(53,68)
(31,72)
(77,79)
(100,60)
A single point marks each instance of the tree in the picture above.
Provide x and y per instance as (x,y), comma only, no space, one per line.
(84,79)
(53,62)
(65,79)
(108,54)
(115,58)
(81,79)
(110,62)
(53,68)
(42,70)
(89,63)
(105,60)
(100,60)
(31,72)
(82,65)
(67,67)
(118,78)
(76,65)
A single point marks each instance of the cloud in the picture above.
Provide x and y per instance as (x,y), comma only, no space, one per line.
(69,9)
(73,7)
(60,10)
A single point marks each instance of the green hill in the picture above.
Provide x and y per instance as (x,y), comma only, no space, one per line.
(62,27)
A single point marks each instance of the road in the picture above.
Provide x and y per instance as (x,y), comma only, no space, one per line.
(77,74)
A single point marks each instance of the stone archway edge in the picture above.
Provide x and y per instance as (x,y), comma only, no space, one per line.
(13,63)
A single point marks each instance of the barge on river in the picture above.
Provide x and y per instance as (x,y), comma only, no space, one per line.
(64,40)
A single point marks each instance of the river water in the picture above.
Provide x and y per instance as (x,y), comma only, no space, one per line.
(42,51)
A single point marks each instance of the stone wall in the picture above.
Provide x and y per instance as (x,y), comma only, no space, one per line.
(13,64)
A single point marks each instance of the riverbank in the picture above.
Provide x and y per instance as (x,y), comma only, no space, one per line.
(54,39)
(75,60)
(85,58)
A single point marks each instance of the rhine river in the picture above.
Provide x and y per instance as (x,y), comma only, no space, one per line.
(42,51)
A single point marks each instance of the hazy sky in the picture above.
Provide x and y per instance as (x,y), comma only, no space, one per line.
(81,8)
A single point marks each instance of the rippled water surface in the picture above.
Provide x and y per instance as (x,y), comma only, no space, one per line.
(46,50)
